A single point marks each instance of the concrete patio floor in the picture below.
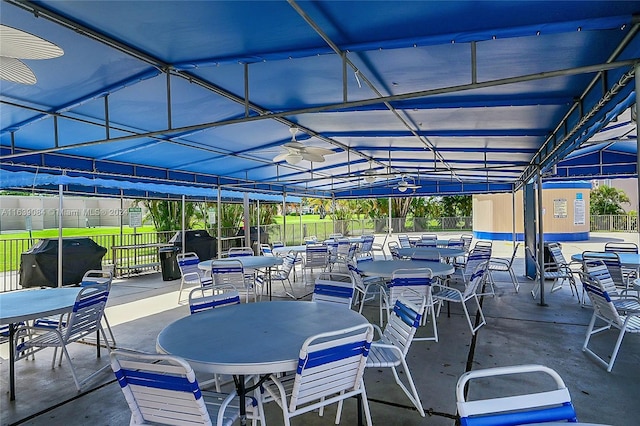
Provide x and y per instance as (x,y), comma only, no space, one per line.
(518,331)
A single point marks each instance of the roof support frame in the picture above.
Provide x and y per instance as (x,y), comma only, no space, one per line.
(551,145)
(423,93)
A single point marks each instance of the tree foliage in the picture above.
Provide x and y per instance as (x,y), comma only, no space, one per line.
(457,205)
(607,200)
(167,215)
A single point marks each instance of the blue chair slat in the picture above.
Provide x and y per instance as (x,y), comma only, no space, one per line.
(565,412)
(334,291)
(407,314)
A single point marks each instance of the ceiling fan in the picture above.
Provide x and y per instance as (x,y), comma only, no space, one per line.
(296,151)
(16,45)
(404,185)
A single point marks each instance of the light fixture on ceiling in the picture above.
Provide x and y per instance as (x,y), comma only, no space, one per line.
(403,185)
(294,151)
(293,158)
(370,175)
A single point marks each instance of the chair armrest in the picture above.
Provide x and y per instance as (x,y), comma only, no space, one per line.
(377,329)
(499,261)
(394,348)
(191,277)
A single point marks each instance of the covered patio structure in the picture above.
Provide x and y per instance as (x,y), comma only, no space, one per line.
(336,100)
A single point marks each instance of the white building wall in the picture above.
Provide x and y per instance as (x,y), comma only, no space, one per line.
(78,212)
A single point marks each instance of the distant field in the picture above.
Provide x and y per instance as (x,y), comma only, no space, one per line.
(75,232)
(305,218)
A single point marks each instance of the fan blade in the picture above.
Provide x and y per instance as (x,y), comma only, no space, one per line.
(318,151)
(16,71)
(280,157)
(19,44)
(297,146)
(310,156)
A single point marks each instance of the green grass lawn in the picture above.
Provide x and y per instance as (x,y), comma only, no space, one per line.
(75,232)
(305,219)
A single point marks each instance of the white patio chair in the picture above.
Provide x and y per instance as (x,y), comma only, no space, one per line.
(624,247)
(605,310)
(455,243)
(428,240)
(595,269)
(604,266)
(403,240)
(334,287)
(504,265)
(85,319)
(284,271)
(317,257)
(190,274)
(564,267)
(327,373)
(240,251)
(466,241)
(558,272)
(213,296)
(449,294)
(91,277)
(379,247)
(414,285)
(553,405)
(265,250)
(343,252)
(394,343)
(463,272)
(366,248)
(367,288)
(162,389)
(393,249)
(232,272)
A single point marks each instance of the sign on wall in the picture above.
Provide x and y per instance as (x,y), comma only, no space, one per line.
(578,212)
(560,208)
(135,217)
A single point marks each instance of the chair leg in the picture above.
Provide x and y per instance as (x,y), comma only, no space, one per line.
(534,290)
(592,332)
(616,348)
(413,393)
(466,312)
(180,291)
(514,279)
(429,310)
(113,339)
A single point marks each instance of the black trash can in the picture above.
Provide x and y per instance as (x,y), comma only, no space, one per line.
(169,263)
(197,241)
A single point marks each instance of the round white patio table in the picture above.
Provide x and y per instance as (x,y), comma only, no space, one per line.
(26,305)
(629,260)
(280,251)
(249,262)
(251,338)
(351,239)
(385,268)
(443,253)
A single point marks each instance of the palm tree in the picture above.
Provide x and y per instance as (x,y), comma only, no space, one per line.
(607,200)
(167,215)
